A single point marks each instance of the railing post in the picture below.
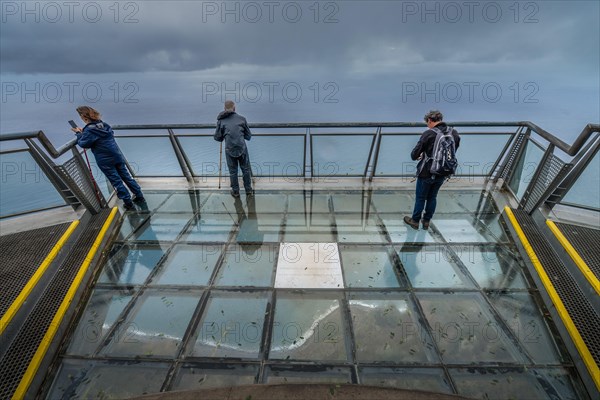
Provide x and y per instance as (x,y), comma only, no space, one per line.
(501,156)
(377,147)
(183,163)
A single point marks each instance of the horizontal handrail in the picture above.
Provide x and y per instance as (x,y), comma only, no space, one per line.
(560,144)
(41,136)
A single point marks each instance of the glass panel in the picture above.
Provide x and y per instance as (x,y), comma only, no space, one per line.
(431,379)
(81,379)
(586,190)
(432,267)
(349,202)
(156,325)
(308,228)
(209,228)
(188,265)
(465,329)
(394,155)
(231,326)
(100,314)
(150,156)
(357,228)
(131,265)
(450,201)
(154,200)
(465,228)
(492,268)
(478,153)
(204,376)
(368,266)
(340,155)
(501,383)
(268,203)
(523,317)
(398,202)
(222,203)
(184,202)
(162,227)
(399,232)
(24,186)
(389,330)
(308,329)
(283,374)
(525,169)
(131,222)
(277,155)
(316,203)
(203,155)
(248,265)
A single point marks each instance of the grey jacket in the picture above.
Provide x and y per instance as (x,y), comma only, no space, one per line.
(232,128)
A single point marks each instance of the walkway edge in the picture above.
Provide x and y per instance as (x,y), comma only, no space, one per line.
(558,304)
(33,281)
(60,313)
(581,264)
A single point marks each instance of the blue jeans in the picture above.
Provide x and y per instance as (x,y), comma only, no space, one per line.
(117,174)
(244,163)
(427,190)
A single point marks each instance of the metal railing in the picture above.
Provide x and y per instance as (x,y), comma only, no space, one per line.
(548,184)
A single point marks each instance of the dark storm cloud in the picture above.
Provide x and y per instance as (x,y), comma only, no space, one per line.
(188,36)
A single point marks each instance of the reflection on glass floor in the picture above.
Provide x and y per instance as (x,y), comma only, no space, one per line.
(202,290)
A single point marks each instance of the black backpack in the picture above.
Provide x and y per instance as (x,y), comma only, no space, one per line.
(444,162)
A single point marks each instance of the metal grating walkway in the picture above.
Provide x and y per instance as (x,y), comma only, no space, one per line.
(18,356)
(20,256)
(585,241)
(578,307)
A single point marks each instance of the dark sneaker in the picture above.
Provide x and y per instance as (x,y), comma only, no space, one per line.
(234,193)
(411,222)
(249,193)
(139,200)
(129,206)
(425,224)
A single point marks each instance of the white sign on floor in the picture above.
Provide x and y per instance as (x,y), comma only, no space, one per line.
(309,266)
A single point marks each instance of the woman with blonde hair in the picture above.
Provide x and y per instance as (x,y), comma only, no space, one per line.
(98,136)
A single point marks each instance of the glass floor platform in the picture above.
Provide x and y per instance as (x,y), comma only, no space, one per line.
(202,290)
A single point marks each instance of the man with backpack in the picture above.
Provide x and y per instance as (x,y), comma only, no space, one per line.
(436,151)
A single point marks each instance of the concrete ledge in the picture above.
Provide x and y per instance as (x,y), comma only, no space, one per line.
(300,392)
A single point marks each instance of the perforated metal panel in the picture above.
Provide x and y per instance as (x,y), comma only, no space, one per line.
(512,157)
(20,353)
(580,310)
(20,256)
(77,178)
(585,241)
(552,169)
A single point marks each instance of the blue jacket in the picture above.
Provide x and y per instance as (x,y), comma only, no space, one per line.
(232,128)
(99,137)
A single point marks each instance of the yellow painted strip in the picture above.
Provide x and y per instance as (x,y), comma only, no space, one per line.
(560,307)
(58,317)
(583,267)
(16,305)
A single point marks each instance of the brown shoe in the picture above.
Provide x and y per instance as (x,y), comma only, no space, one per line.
(411,222)
(425,224)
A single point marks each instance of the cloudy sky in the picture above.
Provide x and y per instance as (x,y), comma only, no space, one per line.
(176,61)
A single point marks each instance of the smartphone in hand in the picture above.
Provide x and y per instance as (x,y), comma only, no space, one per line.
(73,124)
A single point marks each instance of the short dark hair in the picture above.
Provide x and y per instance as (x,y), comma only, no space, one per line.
(434,115)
